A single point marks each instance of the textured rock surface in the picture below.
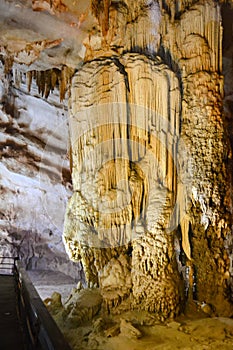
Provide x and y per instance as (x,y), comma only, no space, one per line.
(34,178)
(120,176)
(131,192)
(151,159)
(43,34)
(135,329)
(197,51)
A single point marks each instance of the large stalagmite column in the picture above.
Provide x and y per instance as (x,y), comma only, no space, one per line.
(149,157)
(194,43)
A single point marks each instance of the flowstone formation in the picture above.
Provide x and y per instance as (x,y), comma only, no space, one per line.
(150,216)
(197,48)
(124,176)
(117,165)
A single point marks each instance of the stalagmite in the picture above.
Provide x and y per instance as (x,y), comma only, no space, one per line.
(145,124)
(124,177)
(196,46)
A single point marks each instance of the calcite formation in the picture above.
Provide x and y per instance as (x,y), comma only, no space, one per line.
(151,158)
(150,155)
(198,51)
(123,194)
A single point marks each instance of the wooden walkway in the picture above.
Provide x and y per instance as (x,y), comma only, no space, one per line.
(25,323)
(11,335)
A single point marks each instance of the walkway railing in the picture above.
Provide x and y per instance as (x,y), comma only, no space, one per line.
(41,331)
(7,265)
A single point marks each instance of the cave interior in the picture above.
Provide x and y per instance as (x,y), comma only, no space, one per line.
(116,139)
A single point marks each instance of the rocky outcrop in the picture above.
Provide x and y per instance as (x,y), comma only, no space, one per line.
(151,157)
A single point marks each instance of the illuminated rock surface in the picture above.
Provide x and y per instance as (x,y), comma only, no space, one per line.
(147,88)
(34,178)
(151,160)
(136,329)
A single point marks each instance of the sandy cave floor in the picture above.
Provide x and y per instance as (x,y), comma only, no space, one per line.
(132,330)
(199,334)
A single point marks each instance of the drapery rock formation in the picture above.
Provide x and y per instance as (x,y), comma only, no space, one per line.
(150,213)
(151,157)
(120,176)
(207,221)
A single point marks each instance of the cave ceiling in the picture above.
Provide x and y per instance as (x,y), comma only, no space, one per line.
(44,34)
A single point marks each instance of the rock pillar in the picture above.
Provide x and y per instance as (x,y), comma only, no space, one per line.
(149,157)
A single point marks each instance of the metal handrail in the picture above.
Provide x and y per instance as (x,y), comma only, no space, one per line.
(8,266)
(43,332)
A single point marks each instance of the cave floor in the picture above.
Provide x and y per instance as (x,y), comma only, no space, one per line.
(47,281)
(201,334)
(194,330)
(11,335)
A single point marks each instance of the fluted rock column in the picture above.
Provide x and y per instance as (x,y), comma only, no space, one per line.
(194,44)
(125,120)
(149,157)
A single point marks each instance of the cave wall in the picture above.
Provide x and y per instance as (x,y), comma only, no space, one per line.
(35,175)
(151,158)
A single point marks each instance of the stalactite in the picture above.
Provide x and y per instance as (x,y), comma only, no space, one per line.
(62,84)
(17,77)
(47,80)
(47,83)
(8,63)
(29,76)
(54,78)
(41,86)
